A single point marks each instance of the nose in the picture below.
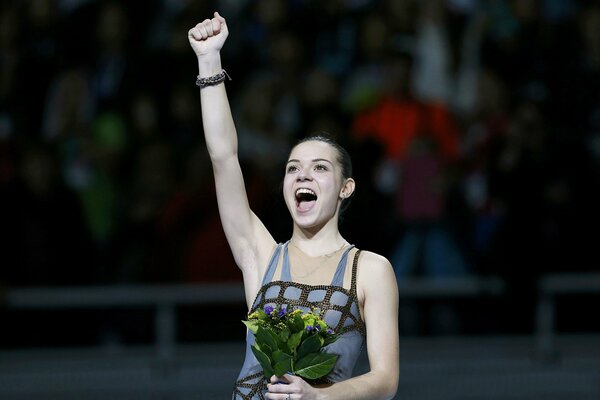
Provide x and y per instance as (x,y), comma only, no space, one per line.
(304,174)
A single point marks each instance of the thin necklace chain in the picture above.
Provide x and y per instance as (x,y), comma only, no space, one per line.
(328,255)
(323,259)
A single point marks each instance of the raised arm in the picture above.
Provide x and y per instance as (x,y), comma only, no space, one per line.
(249,240)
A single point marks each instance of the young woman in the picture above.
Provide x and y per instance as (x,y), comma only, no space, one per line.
(360,302)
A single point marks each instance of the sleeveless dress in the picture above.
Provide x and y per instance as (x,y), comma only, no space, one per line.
(340,312)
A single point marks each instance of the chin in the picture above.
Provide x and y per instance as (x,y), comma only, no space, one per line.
(305,221)
(314,221)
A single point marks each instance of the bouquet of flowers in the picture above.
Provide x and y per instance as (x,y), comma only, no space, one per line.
(290,341)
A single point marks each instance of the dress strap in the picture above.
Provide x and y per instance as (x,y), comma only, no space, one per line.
(354,269)
(338,277)
(268,277)
(286,275)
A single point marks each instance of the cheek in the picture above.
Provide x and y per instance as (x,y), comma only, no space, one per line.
(286,182)
(286,187)
(331,187)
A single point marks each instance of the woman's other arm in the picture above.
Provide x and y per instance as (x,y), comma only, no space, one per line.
(249,240)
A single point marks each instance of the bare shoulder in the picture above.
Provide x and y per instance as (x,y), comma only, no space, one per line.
(373,268)
(375,280)
(374,263)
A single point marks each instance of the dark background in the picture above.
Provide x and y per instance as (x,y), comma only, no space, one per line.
(105,179)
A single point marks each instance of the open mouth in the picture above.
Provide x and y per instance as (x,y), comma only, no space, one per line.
(305,199)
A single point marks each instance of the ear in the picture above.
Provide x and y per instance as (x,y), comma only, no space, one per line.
(347,188)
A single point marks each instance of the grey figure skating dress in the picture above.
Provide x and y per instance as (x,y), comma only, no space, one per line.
(340,312)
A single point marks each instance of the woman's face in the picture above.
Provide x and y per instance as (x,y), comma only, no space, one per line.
(312,186)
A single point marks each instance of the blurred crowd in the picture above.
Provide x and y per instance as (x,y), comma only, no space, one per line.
(474,128)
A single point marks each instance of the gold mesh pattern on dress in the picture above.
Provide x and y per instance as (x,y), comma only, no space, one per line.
(256,382)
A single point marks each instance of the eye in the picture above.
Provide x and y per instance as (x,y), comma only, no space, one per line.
(291,169)
(321,167)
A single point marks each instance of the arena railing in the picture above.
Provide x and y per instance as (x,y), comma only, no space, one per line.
(551,287)
(165,299)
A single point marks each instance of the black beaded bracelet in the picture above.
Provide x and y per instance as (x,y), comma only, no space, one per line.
(212,80)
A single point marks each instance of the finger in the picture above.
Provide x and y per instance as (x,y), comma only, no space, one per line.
(216,25)
(290,378)
(284,379)
(195,34)
(203,31)
(209,27)
(278,396)
(278,388)
(221,20)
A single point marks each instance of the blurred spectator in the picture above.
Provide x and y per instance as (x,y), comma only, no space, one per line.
(12,117)
(370,209)
(320,103)
(190,227)
(70,106)
(40,46)
(447,50)
(110,59)
(420,142)
(474,123)
(365,82)
(43,234)
(144,122)
(335,35)
(522,175)
(183,116)
(484,132)
(260,142)
(399,117)
(138,250)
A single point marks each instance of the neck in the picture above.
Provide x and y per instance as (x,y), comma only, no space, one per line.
(318,241)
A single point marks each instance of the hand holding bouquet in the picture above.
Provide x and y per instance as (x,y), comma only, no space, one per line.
(291,342)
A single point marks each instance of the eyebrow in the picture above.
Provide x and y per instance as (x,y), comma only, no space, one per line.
(314,160)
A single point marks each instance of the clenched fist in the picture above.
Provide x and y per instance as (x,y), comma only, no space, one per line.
(208,36)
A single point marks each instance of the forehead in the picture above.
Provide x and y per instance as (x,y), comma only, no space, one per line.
(313,149)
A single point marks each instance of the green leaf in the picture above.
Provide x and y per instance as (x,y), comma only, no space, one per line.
(330,339)
(310,345)
(265,348)
(296,323)
(264,336)
(283,362)
(294,341)
(277,339)
(252,325)
(284,334)
(264,361)
(312,359)
(279,355)
(261,314)
(315,365)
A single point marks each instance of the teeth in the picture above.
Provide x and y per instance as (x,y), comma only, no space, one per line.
(305,191)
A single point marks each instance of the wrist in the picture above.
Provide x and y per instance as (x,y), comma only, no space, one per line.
(213,80)
(321,396)
(320,393)
(209,64)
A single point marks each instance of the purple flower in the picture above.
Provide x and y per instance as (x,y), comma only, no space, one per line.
(329,331)
(268,310)
(282,311)
(310,328)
